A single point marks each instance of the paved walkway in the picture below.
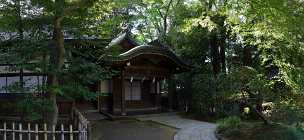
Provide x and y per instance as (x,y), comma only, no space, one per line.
(129,129)
(189,129)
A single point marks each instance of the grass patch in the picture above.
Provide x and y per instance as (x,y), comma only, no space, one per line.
(233,128)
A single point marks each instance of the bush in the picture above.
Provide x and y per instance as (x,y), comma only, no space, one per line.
(233,128)
(287,114)
(300,126)
(229,123)
(278,132)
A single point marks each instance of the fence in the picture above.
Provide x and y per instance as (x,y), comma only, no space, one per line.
(78,131)
(82,122)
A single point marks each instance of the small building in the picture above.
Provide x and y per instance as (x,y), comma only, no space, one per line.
(139,86)
(143,71)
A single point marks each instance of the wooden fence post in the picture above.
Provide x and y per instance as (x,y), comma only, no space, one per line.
(71,132)
(53,132)
(36,132)
(20,131)
(89,131)
(4,129)
(29,131)
(80,131)
(86,132)
(45,132)
(13,133)
(62,132)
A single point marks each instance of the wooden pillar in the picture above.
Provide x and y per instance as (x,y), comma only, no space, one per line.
(158,95)
(123,100)
(98,97)
(171,91)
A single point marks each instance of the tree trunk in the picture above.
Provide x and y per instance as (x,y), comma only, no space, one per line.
(223,55)
(215,56)
(247,59)
(260,115)
(57,62)
(19,43)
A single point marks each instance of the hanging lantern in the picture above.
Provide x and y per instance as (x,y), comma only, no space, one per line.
(131,80)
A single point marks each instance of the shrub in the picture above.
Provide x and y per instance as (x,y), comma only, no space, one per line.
(233,129)
(278,132)
(287,114)
(229,123)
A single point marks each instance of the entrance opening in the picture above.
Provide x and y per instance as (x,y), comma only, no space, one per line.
(132,90)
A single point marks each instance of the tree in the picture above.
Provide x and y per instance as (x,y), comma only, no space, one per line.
(44,26)
(224,36)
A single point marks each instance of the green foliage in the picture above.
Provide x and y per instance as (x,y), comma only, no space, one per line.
(26,30)
(234,128)
(288,113)
(280,132)
(76,91)
(33,107)
(229,123)
(269,30)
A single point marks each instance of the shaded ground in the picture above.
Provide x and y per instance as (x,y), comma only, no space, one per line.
(131,130)
(188,129)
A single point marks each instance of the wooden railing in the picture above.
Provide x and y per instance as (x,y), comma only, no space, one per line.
(78,130)
(82,122)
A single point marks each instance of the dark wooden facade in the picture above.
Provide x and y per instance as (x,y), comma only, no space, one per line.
(143,69)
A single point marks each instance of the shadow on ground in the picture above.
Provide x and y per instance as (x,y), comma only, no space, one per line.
(131,130)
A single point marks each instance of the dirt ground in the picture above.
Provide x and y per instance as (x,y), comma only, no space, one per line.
(131,130)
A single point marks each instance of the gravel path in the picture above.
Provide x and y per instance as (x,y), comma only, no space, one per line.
(189,129)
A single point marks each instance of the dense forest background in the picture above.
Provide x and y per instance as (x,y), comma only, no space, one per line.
(247,56)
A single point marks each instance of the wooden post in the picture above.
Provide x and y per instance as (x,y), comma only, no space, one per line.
(53,132)
(79,132)
(62,132)
(71,132)
(45,132)
(123,100)
(28,131)
(171,90)
(13,135)
(89,129)
(36,132)
(4,131)
(20,131)
(157,96)
(98,97)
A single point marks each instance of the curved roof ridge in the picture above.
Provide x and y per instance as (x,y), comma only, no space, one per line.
(140,47)
(152,49)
